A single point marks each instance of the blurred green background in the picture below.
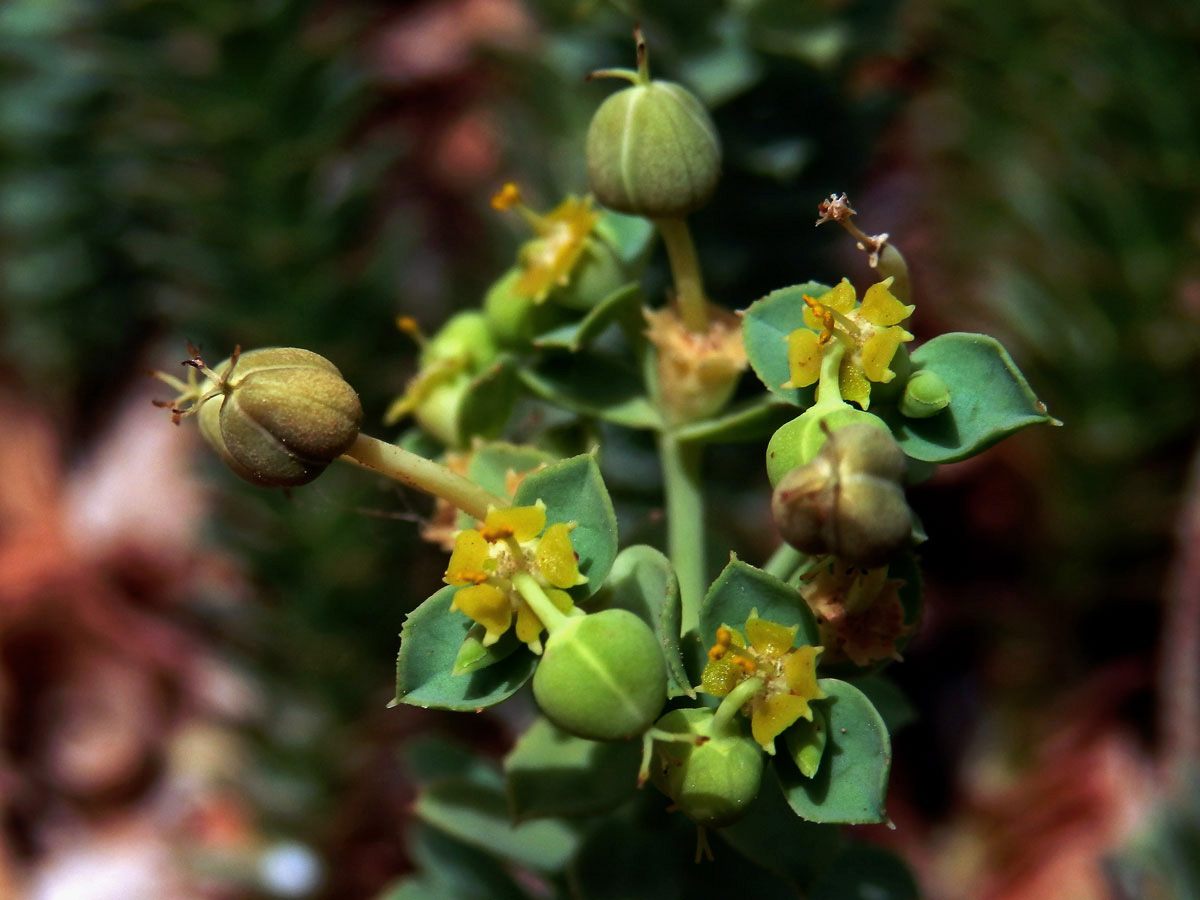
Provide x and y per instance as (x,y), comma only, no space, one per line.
(263,172)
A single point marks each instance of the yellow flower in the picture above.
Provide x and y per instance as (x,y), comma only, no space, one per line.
(563,235)
(870,331)
(788,674)
(484,561)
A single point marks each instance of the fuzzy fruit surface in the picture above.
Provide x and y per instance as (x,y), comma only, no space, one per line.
(653,150)
(713,783)
(283,415)
(602,676)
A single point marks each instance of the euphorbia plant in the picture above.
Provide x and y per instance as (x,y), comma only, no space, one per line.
(747,700)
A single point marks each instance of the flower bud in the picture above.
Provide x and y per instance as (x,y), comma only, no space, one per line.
(714,781)
(848,501)
(653,150)
(602,676)
(278,416)
(925,395)
(799,441)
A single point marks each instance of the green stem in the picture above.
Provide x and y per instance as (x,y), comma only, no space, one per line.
(531,592)
(723,723)
(685,522)
(784,561)
(417,471)
(829,388)
(685,270)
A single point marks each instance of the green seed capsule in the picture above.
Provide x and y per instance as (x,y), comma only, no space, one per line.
(602,676)
(280,415)
(848,501)
(800,440)
(713,782)
(653,150)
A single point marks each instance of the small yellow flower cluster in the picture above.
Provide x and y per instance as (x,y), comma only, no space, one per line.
(788,674)
(562,236)
(485,560)
(870,331)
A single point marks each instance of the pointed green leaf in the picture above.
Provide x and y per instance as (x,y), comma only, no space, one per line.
(850,787)
(429,644)
(594,387)
(426,759)
(478,816)
(741,588)
(643,582)
(552,773)
(765,329)
(574,491)
(574,335)
(989,399)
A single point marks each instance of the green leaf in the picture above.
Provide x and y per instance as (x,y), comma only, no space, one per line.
(592,386)
(643,582)
(862,870)
(741,588)
(989,400)
(574,335)
(429,644)
(478,816)
(750,421)
(850,787)
(489,400)
(771,836)
(895,708)
(806,742)
(456,870)
(552,773)
(630,237)
(765,328)
(574,491)
(491,463)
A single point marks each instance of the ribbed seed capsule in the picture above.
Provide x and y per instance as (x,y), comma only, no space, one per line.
(652,149)
(280,415)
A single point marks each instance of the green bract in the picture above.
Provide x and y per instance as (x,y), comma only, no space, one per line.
(653,150)
(278,416)
(799,441)
(602,676)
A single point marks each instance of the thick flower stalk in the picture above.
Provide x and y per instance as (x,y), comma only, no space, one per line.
(870,333)
(486,564)
(787,675)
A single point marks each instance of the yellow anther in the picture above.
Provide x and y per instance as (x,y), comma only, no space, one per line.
(507,197)
(717,650)
(825,314)
(724,637)
(468,576)
(746,664)
(497,533)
